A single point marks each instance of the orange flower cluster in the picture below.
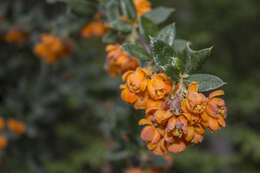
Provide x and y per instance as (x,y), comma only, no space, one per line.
(3,142)
(118,61)
(15,36)
(52,48)
(144,90)
(13,125)
(95,28)
(142,6)
(2,124)
(137,170)
(16,126)
(181,120)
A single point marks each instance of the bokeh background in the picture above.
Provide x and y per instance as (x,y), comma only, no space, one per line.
(76,121)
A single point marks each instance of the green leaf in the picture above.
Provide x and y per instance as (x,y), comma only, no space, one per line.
(121,25)
(194,59)
(147,28)
(109,37)
(206,82)
(128,9)
(159,15)
(112,11)
(163,56)
(136,51)
(167,34)
(179,46)
(81,7)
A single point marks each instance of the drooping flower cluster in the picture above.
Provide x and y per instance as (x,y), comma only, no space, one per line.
(95,28)
(15,36)
(52,48)
(181,120)
(12,125)
(118,61)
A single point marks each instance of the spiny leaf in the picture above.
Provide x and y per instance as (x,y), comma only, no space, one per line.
(163,56)
(147,28)
(159,15)
(194,59)
(167,34)
(206,82)
(179,46)
(128,9)
(136,51)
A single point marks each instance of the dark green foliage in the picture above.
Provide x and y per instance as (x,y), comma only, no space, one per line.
(147,28)
(163,56)
(121,25)
(128,9)
(206,82)
(136,51)
(167,34)
(159,14)
(73,111)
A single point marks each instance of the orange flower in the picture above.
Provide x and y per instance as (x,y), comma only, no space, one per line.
(127,95)
(142,6)
(141,101)
(216,112)
(133,170)
(138,170)
(195,134)
(159,86)
(154,138)
(137,80)
(52,48)
(118,61)
(195,102)
(177,128)
(3,142)
(15,36)
(95,28)
(162,116)
(2,124)
(16,126)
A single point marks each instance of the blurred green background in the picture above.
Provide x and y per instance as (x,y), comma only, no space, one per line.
(74,115)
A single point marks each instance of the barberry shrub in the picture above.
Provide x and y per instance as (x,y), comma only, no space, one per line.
(63,114)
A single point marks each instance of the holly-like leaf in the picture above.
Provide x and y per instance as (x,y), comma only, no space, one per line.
(207,82)
(159,15)
(179,46)
(136,51)
(121,25)
(163,56)
(112,11)
(167,34)
(147,28)
(194,59)
(128,9)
